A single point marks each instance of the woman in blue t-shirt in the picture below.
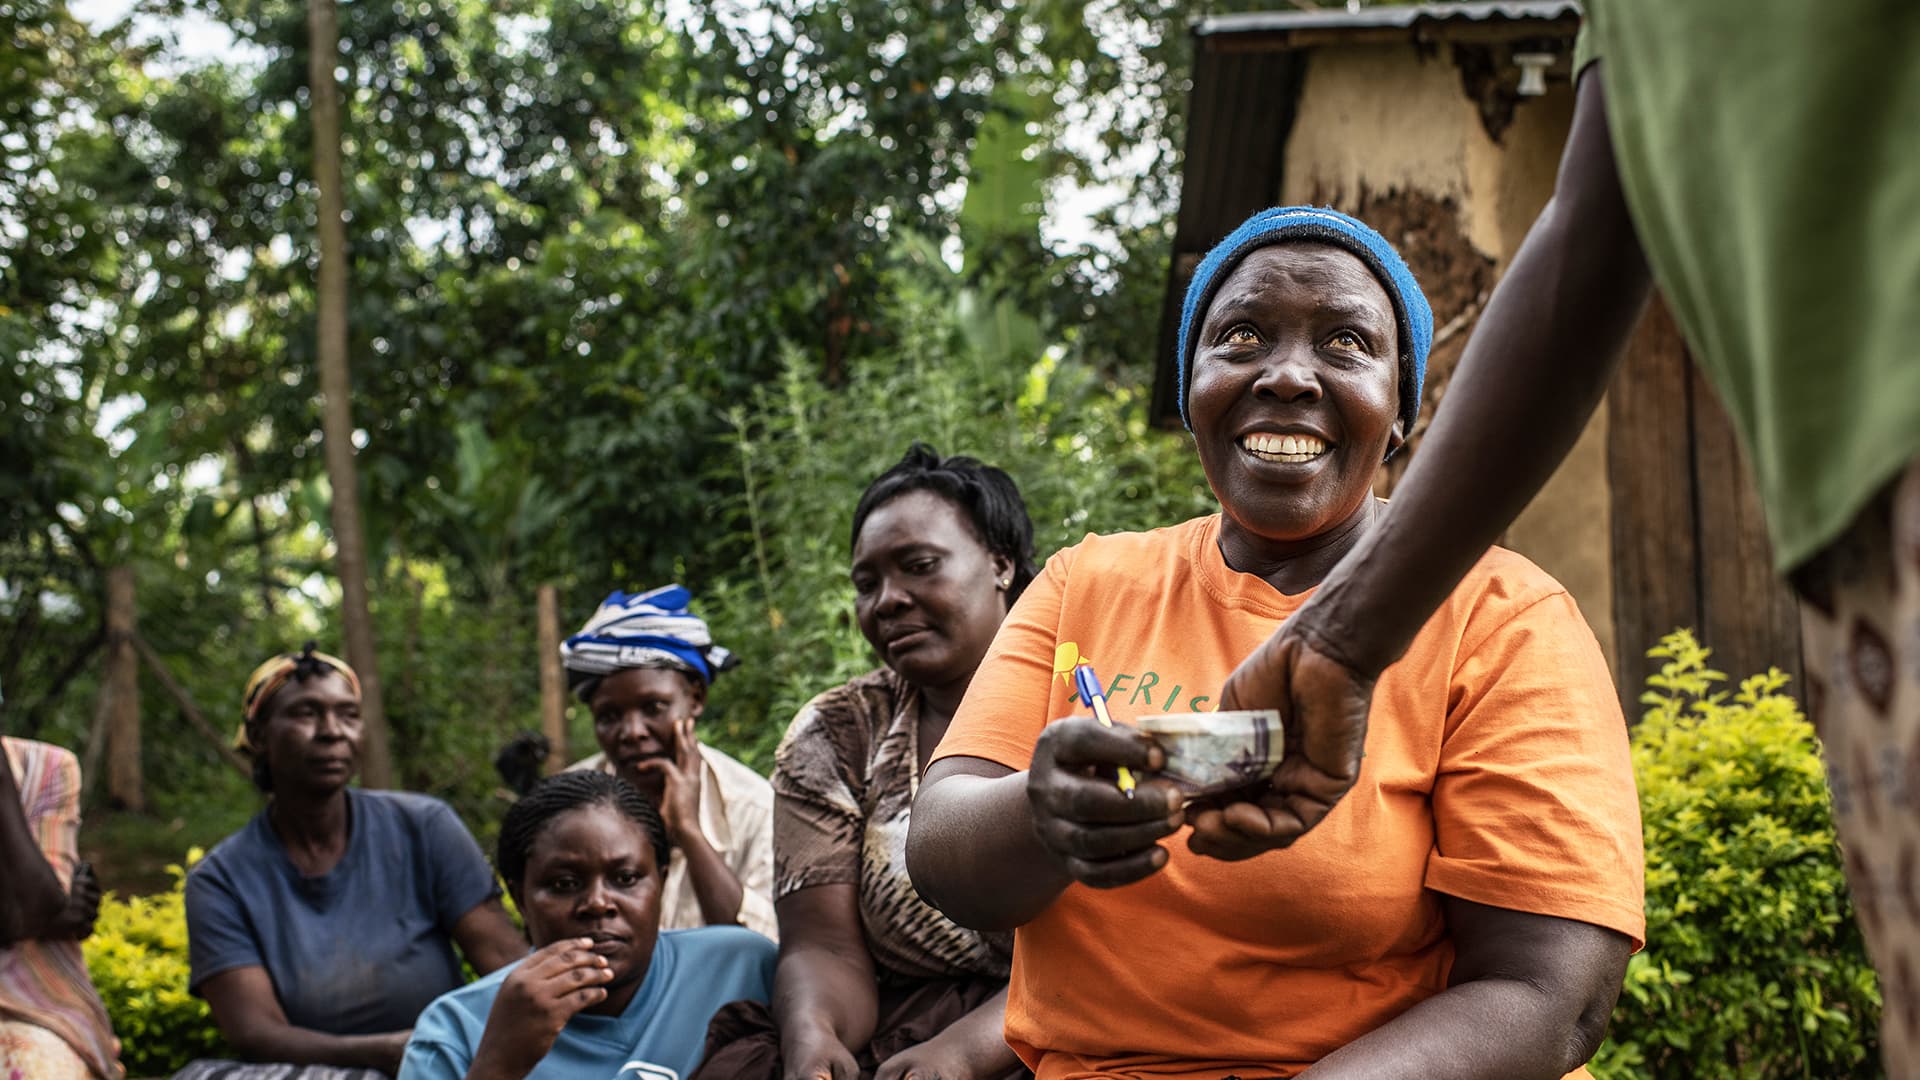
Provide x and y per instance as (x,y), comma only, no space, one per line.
(319,931)
(606,992)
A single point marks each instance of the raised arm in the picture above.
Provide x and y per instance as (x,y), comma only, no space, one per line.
(1534,370)
(34,901)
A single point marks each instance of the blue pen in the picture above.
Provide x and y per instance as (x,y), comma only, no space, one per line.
(1085,681)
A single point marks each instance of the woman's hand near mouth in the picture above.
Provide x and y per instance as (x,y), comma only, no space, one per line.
(535,1002)
(679,783)
(715,885)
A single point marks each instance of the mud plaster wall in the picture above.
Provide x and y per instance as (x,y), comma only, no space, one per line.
(1387,134)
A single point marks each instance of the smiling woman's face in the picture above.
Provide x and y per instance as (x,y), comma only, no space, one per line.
(591,874)
(1295,400)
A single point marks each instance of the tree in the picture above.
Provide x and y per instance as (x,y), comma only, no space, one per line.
(336,388)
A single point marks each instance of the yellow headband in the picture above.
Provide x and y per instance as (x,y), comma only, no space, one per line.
(272,675)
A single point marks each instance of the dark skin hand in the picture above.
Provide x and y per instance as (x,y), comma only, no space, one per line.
(1033,833)
(644,721)
(83,906)
(535,1002)
(715,885)
(1532,374)
(825,1002)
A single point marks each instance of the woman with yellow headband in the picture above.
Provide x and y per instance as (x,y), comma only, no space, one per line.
(319,931)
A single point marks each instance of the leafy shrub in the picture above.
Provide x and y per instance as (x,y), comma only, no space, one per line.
(1754,966)
(138,959)
(972,375)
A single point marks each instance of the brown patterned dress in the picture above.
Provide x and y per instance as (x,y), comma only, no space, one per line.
(843,782)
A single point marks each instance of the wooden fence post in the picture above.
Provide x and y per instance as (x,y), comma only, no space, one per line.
(553,683)
(120,695)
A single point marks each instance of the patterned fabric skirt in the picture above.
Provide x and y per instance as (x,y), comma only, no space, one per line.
(1860,628)
(28,1052)
(234,1070)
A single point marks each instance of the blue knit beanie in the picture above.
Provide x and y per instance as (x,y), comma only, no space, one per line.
(1309,224)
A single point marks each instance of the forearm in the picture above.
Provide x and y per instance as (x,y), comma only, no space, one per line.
(714,884)
(1533,372)
(818,989)
(1496,1029)
(285,1043)
(982,1035)
(966,830)
(33,900)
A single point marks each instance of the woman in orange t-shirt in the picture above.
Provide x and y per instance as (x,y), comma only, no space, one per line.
(1466,910)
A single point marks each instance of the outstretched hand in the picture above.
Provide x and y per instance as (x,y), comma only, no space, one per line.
(1323,704)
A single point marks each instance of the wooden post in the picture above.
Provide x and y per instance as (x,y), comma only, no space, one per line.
(1656,556)
(336,391)
(553,682)
(119,704)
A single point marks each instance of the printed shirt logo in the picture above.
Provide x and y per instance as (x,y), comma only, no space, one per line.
(1134,692)
(1066,657)
(646,1071)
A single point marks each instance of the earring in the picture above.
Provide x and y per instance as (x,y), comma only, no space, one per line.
(1006,583)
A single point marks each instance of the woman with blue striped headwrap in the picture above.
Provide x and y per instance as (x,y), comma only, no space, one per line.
(642,664)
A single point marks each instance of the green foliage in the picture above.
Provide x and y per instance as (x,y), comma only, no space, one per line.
(138,959)
(600,253)
(973,375)
(1754,966)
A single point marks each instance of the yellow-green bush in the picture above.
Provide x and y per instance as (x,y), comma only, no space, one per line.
(1754,966)
(138,959)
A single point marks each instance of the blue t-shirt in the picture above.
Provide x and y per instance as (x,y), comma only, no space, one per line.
(357,950)
(658,1037)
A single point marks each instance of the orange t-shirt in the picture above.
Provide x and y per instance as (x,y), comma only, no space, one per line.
(1496,770)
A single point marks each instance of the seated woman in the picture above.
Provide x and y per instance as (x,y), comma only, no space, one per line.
(606,992)
(870,976)
(1466,910)
(52,1024)
(643,664)
(280,933)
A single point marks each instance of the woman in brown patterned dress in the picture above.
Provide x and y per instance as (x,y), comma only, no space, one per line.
(872,981)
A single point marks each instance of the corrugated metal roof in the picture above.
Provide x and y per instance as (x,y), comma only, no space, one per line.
(1247,74)
(1395,17)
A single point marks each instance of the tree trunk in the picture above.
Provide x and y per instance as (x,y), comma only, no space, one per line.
(120,695)
(553,683)
(336,391)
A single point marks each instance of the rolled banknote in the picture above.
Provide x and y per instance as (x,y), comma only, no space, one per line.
(1211,752)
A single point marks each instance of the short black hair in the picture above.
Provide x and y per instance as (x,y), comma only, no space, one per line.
(559,794)
(988,497)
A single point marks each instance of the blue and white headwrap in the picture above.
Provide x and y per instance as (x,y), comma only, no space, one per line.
(650,629)
(1322,225)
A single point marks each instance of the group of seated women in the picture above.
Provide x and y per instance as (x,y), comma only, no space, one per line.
(957,884)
